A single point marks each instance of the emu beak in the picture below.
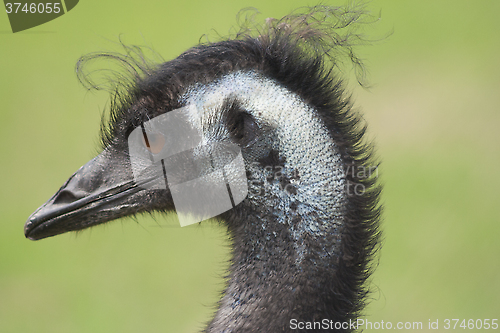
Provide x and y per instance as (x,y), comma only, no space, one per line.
(100,191)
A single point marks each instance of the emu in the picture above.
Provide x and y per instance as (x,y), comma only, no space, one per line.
(304,235)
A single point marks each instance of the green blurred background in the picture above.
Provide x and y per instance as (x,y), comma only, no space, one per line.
(433,110)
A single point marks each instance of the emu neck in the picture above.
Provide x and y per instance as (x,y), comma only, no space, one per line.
(286,246)
(277,276)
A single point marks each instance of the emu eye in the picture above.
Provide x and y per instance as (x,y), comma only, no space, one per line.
(243,128)
(153,142)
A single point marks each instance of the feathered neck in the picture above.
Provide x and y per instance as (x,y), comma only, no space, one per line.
(279,273)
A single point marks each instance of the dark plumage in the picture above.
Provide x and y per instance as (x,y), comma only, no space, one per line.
(304,237)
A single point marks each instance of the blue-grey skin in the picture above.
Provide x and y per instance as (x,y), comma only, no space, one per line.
(299,137)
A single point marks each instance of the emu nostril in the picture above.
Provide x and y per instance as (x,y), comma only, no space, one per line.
(66,196)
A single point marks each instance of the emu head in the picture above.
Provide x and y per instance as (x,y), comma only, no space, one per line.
(274,135)
(266,118)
